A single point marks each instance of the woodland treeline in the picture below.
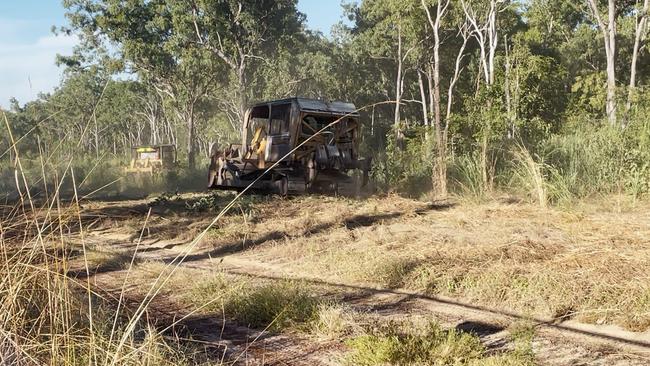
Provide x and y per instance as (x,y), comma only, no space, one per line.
(548,98)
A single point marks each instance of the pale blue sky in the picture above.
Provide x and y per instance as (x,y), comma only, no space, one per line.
(28,47)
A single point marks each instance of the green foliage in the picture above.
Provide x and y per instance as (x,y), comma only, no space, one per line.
(588,96)
(408,169)
(401,344)
(273,306)
(214,202)
(603,160)
(218,200)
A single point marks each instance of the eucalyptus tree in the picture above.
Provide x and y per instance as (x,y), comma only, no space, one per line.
(607,26)
(482,17)
(444,18)
(243,34)
(152,39)
(391,31)
(640,34)
(78,97)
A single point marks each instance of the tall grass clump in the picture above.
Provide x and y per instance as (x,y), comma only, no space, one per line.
(467,178)
(602,161)
(528,173)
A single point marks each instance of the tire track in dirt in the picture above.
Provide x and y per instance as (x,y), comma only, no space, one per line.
(224,340)
(556,343)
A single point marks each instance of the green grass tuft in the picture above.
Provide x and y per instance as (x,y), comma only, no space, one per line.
(275,306)
(400,344)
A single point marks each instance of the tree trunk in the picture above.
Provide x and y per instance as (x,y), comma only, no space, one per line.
(638,38)
(611,59)
(507,84)
(439,178)
(493,39)
(191,158)
(484,161)
(423,100)
(96,136)
(609,38)
(398,91)
(372,122)
(243,99)
(430,84)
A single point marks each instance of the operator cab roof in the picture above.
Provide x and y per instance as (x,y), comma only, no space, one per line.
(153,146)
(317,106)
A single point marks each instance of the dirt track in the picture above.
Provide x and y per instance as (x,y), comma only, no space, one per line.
(273,251)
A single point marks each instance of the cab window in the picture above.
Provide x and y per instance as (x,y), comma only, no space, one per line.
(258,122)
(280,115)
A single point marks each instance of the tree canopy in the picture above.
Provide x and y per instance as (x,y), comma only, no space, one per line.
(478,76)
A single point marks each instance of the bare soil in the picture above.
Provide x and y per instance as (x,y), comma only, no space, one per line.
(578,275)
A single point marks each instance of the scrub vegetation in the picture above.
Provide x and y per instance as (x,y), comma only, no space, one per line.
(508,199)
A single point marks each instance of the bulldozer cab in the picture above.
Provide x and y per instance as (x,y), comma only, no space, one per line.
(308,143)
(151,158)
(273,129)
(267,135)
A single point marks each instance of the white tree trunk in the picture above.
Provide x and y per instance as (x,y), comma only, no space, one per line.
(609,36)
(439,177)
(639,37)
(423,100)
(398,85)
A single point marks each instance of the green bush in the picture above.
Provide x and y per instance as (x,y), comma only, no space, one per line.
(273,306)
(408,168)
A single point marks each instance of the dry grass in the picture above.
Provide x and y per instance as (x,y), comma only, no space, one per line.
(588,264)
(335,321)
(50,311)
(49,318)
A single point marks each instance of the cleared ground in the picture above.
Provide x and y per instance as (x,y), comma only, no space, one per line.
(321,280)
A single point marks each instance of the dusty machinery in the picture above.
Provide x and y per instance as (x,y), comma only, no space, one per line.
(324,135)
(151,160)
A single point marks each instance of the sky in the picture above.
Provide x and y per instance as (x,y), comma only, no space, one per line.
(28,47)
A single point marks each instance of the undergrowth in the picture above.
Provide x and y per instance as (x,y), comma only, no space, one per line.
(275,306)
(409,344)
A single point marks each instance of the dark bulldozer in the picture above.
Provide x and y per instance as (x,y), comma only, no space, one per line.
(323,158)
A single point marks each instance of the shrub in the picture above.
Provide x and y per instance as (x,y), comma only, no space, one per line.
(273,306)
(605,160)
(406,169)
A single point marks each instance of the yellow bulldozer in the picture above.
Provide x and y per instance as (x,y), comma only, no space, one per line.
(151,160)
